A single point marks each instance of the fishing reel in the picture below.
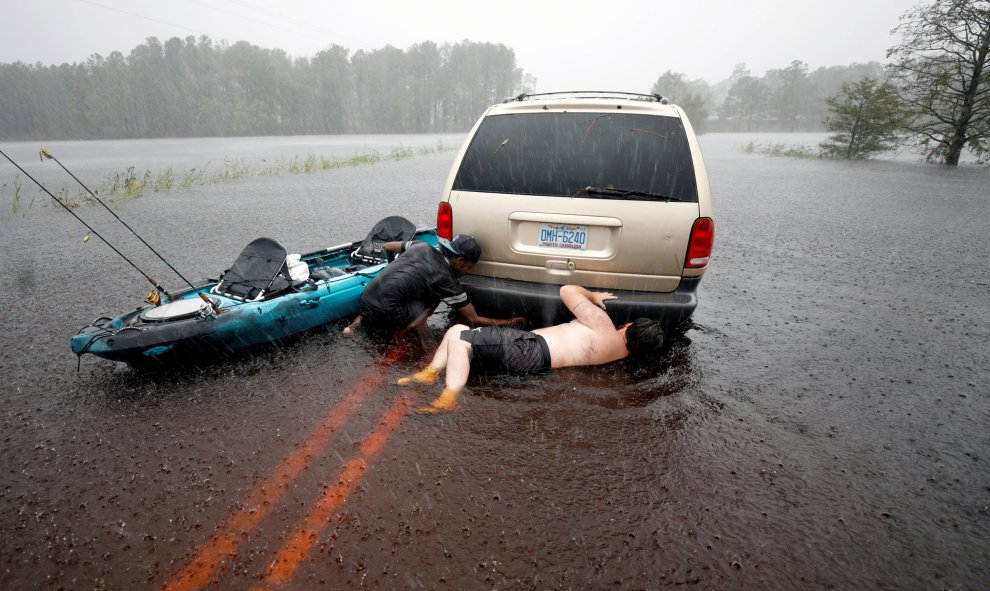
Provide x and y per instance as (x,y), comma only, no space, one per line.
(153,297)
(206,311)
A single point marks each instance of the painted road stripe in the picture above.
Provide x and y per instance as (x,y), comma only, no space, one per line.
(300,542)
(210,556)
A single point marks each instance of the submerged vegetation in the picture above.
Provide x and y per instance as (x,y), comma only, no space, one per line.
(131,183)
(866,119)
(780,149)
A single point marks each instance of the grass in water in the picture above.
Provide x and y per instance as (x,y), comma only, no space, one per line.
(130,184)
(15,202)
(785,150)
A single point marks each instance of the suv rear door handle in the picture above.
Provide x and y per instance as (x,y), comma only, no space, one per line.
(559,265)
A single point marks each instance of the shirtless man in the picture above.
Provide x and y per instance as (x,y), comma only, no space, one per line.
(589,339)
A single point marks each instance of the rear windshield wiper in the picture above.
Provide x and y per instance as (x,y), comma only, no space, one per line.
(609,192)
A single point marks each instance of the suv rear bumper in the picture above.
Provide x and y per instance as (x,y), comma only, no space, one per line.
(540,302)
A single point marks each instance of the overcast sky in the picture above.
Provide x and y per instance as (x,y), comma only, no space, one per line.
(567,45)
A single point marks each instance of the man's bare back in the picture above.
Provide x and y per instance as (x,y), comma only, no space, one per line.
(573,343)
(589,339)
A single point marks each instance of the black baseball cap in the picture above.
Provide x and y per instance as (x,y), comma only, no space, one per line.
(464,246)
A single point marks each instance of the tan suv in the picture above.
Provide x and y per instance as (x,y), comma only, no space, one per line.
(602,189)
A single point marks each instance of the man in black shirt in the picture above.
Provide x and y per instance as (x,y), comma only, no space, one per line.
(405,293)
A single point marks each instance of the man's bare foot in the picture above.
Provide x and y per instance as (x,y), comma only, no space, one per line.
(351,329)
(426,377)
(443,403)
(431,410)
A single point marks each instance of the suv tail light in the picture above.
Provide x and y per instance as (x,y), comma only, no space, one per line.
(699,249)
(445,221)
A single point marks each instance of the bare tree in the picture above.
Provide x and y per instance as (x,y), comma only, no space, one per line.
(941,68)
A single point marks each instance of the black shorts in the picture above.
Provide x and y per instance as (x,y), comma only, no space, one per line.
(496,349)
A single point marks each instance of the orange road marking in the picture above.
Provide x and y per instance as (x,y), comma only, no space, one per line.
(299,543)
(210,556)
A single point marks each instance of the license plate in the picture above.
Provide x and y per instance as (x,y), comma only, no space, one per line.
(563,236)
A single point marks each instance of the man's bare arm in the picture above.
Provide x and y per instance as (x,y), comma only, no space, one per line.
(588,307)
(471,317)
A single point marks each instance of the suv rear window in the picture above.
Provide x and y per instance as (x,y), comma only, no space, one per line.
(559,154)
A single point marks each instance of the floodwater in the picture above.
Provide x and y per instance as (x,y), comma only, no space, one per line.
(822,423)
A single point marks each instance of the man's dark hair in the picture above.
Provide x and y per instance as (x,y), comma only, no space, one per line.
(644,337)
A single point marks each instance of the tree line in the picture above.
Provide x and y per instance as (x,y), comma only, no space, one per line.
(195,87)
(785,99)
(933,94)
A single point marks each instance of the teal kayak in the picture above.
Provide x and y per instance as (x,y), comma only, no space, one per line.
(268,294)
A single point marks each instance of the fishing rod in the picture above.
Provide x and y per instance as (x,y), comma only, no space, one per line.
(88,227)
(43,153)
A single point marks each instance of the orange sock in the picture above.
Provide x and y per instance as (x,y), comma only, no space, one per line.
(426,377)
(443,403)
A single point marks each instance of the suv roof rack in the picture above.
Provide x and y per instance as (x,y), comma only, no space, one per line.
(589,94)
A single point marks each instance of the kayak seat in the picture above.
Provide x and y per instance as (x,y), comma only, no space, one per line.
(372,250)
(260,270)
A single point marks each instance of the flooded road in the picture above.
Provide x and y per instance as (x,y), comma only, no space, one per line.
(822,423)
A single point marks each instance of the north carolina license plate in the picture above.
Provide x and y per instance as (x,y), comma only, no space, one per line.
(563,236)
